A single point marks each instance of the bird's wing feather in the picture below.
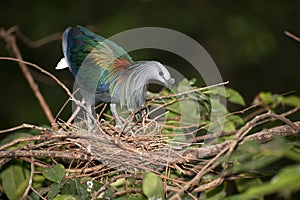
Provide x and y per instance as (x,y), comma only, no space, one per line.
(96,58)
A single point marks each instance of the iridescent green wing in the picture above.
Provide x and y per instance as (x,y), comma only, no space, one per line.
(92,59)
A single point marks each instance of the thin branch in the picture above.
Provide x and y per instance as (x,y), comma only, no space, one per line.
(292,36)
(209,185)
(11,41)
(43,71)
(188,92)
(24,196)
(36,192)
(113,179)
(262,137)
(30,126)
(38,43)
(42,153)
(210,165)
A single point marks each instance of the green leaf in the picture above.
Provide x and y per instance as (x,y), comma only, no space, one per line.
(65,197)
(216,193)
(15,179)
(291,100)
(283,183)
(118,183)
(232,122)
(152,186)
(258,158)
(266,97)
(75,188)
(55,189)
(245,183)
(234,96)
(55,173)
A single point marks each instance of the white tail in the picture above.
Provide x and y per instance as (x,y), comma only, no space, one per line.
(62,64)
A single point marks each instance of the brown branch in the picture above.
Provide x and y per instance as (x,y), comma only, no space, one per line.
(43,71)
(269,134)
(24,126)
(292,36)
(216,135)
(262,137)
(29,186)
(10,39)
(43,153)
(113,179)
(45,137)
(35,44)
(209,185)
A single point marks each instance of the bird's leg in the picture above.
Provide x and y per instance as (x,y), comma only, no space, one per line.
(89,116)
(113,108)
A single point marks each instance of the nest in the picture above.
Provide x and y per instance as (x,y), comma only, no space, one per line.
(137,146)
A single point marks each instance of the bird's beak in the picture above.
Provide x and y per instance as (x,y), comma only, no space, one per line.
(170,82)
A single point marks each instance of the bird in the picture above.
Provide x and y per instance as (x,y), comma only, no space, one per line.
(106,73)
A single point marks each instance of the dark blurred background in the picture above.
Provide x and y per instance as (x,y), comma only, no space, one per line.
(245,38)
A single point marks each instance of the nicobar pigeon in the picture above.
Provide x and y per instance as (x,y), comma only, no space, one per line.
(104,72)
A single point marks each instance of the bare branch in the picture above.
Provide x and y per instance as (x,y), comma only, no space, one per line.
(43,153)
(292,36)
(11,41)
(24,196)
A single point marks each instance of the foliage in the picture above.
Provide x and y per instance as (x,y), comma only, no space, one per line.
(256,170)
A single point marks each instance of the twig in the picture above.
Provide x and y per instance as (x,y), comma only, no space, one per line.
(210,165)
(24,126)
(44,137)
(35,44)
(36,163)
(262,137)
(74,114)
(96,194)
(215,135)
(282,115)
(11,41)
(292,36)
(42,153)
(24,196)
(41,70)
(209,185)
(269,134)
(187,92)
(87,170)
(32,188)
(127,191)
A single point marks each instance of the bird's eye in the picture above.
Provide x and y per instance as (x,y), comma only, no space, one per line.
(161,73)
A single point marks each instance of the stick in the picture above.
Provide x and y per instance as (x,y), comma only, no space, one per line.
(11,41)
(292,36)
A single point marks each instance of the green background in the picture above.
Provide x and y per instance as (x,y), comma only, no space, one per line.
(245,38)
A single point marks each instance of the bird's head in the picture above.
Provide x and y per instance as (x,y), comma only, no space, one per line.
(159,73)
